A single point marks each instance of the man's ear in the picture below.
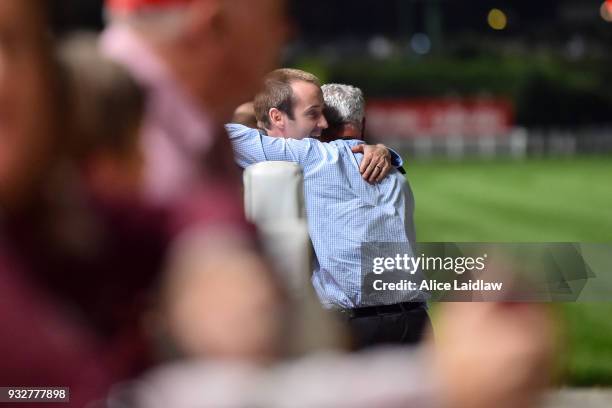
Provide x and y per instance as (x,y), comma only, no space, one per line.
(277,118)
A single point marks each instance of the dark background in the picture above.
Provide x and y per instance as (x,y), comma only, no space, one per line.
(552,62)
(321,19)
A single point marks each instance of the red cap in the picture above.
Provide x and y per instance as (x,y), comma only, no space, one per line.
(129,6)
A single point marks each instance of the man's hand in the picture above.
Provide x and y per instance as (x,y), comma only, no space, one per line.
(376,163)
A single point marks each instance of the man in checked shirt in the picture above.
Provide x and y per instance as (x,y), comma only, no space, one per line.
(343,210)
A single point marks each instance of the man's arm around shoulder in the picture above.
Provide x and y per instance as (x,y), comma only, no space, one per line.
(251,147)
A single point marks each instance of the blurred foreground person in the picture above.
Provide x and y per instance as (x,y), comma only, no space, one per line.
(197,60)
(80,253)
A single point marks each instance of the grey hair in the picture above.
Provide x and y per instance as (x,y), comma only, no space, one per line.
(344,104)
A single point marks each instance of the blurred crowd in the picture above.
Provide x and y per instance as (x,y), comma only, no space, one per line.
(128,271)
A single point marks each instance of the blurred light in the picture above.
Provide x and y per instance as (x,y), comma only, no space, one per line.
(606,11)
(420,43)
(380,47)
(497,19)
(576,48)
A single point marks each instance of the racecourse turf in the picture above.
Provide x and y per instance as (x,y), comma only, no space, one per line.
(536,200)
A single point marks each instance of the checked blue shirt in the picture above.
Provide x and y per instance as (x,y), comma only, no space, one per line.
(343,210)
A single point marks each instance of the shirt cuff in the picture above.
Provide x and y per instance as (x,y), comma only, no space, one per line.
(396,159)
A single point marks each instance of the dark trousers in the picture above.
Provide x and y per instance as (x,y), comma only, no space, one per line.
(401,324)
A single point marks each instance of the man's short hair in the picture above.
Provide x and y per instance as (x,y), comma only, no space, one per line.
(277,93)
(344,104)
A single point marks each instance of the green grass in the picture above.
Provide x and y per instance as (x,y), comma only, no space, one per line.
(543,200)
